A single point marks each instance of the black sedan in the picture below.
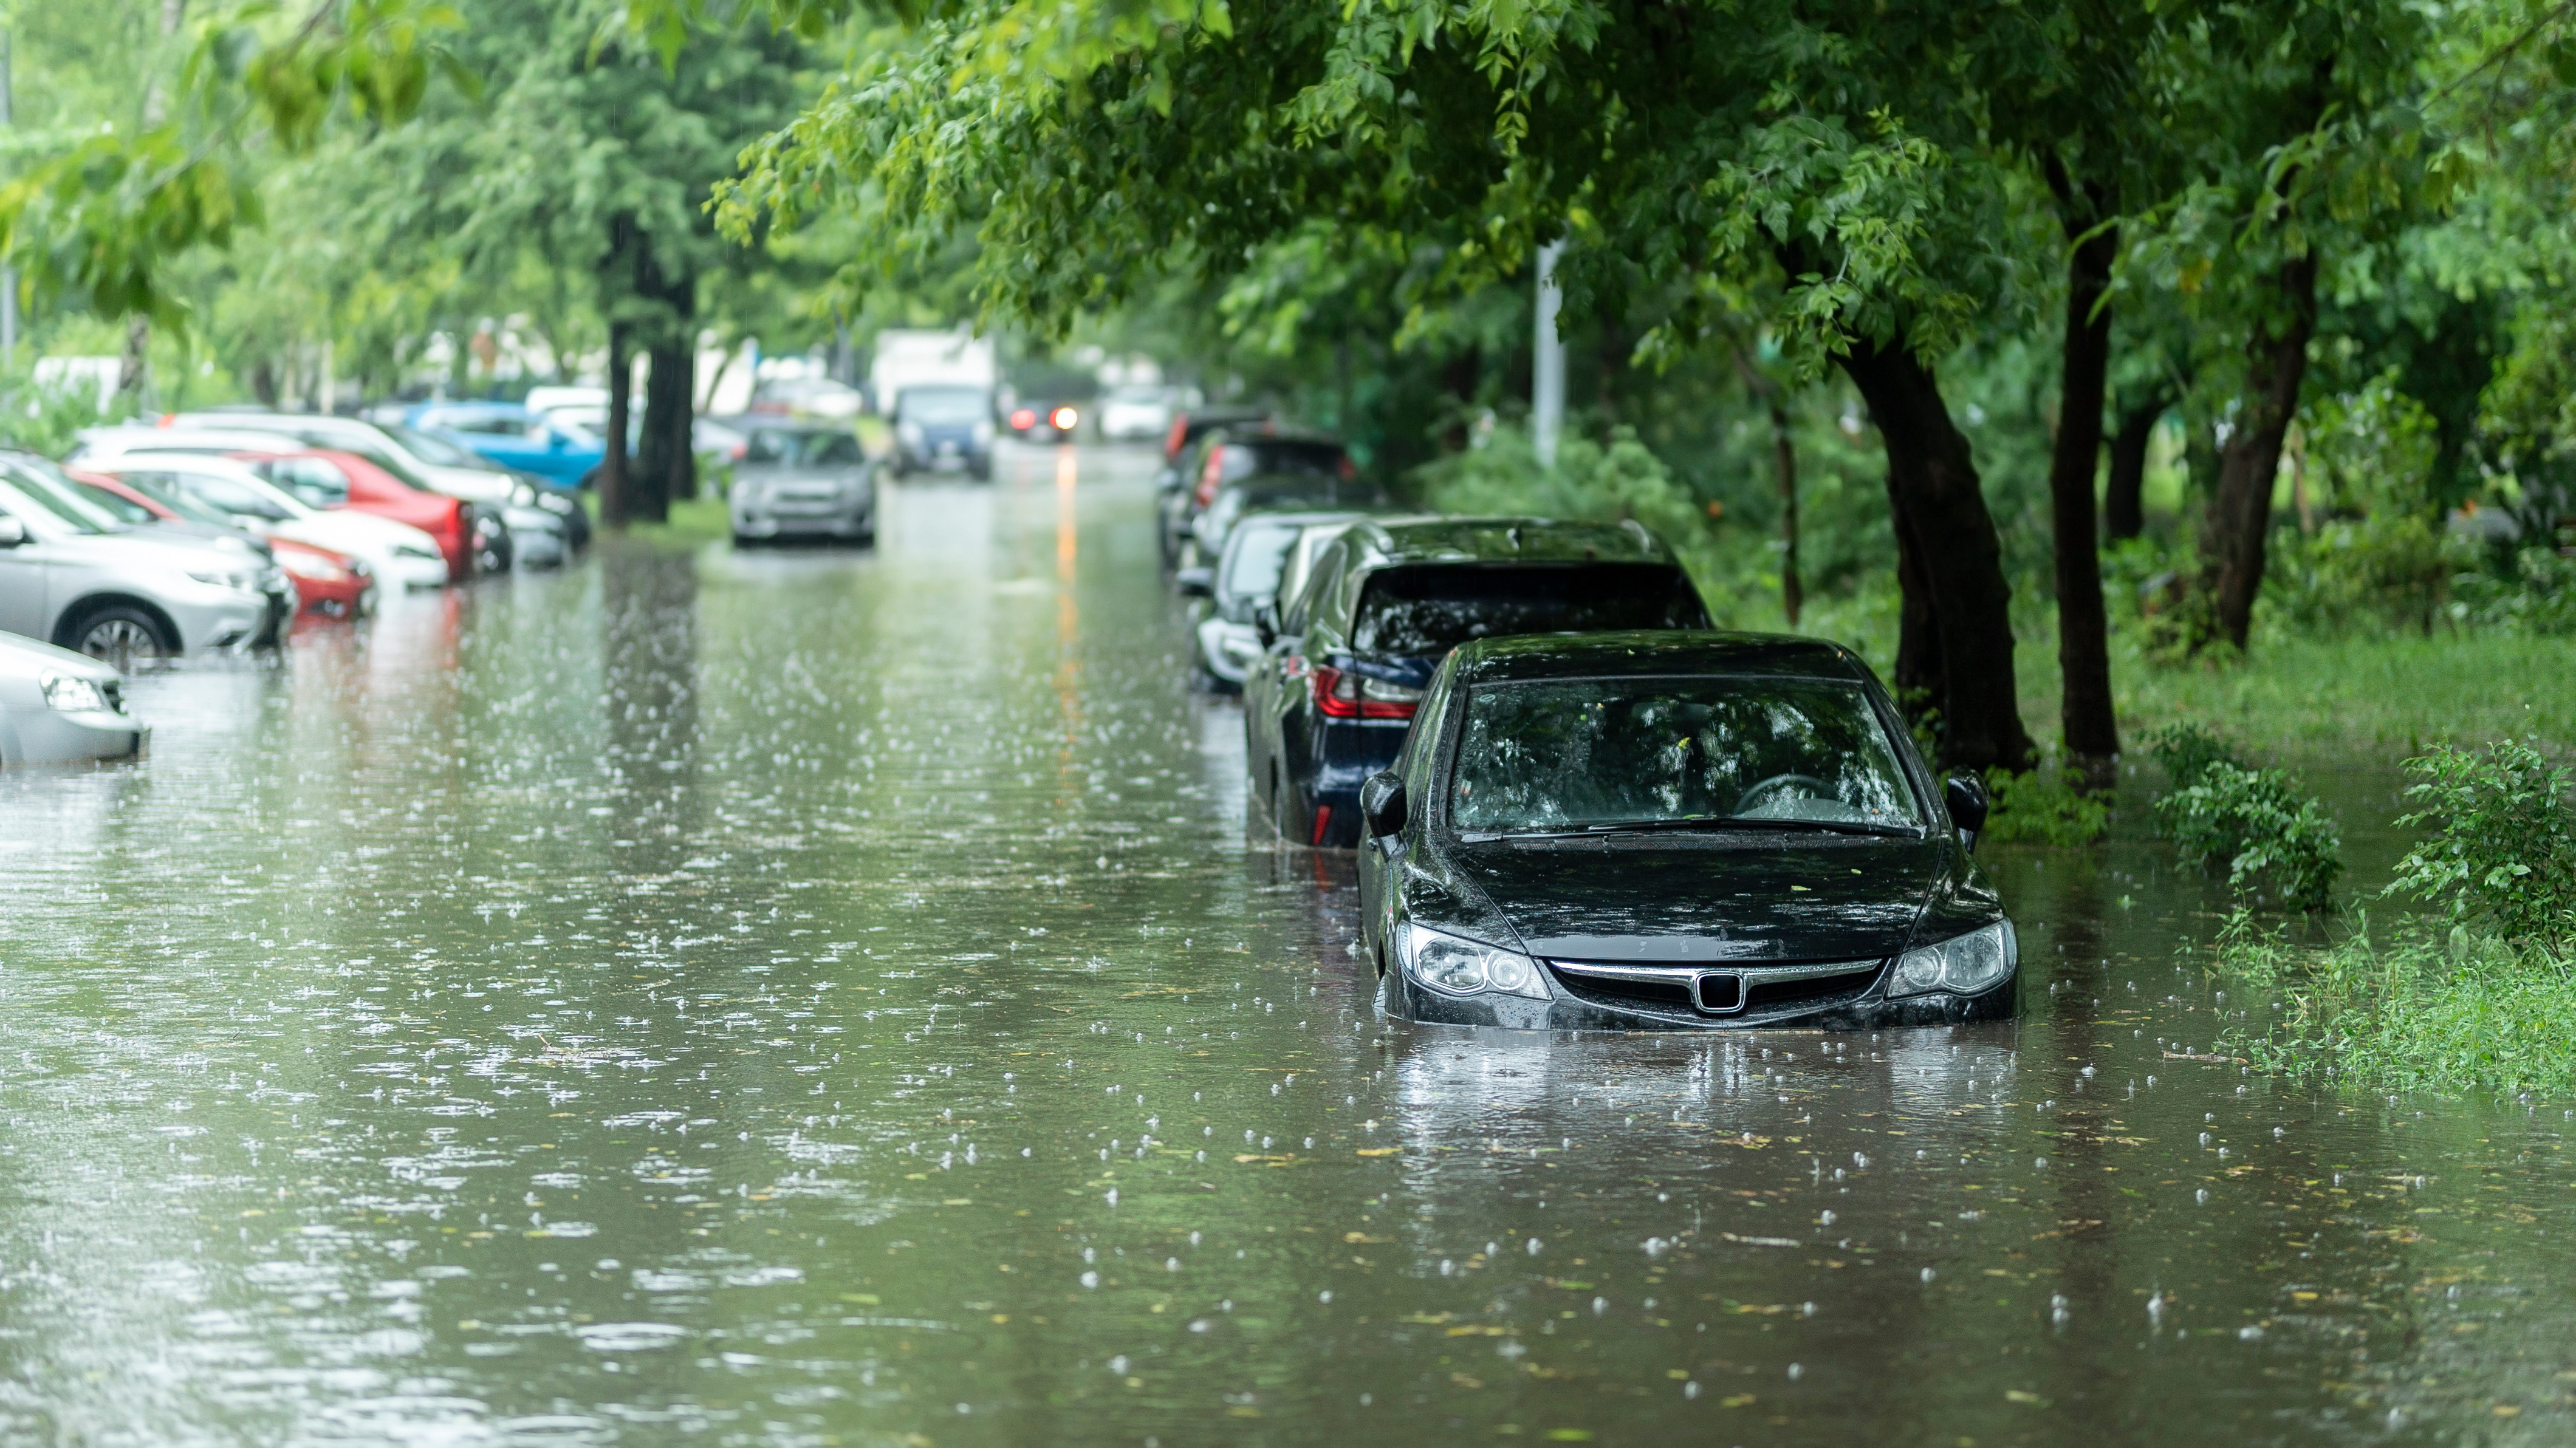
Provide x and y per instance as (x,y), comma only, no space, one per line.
(1673,831)
(1328,703)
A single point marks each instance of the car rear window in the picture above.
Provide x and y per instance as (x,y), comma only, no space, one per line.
(1431,608)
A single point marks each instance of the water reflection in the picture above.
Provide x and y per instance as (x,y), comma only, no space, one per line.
(834,995)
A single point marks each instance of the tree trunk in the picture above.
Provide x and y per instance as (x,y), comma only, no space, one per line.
(134,368)
(2123,502)
(665,463)
(612,464)
(2083,642)
(2240,508)
(1957,638)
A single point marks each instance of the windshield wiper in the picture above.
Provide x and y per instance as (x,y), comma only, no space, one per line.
(1702,822)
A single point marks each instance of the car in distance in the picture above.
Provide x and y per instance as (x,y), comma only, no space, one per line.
(73,576)
(552,450)
(1139,412)
(1270,493)
(1330,700)
(800,481)
(1044,422)
(1228,455)
(1246,576)
(59,707)
(1675,831)
(943,427)
(336,480)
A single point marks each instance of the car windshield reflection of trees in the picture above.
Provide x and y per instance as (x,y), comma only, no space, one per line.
(1430,609)
(1596,755)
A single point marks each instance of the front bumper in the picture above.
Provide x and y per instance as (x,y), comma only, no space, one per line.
(793,518)
(1868,1010)
(54,736)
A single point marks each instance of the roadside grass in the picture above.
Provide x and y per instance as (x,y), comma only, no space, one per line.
(2423,1010)
(692,522)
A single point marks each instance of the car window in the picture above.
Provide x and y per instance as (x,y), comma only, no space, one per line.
(232,496)
(1601,753)
(1280,455)
(315,481)
(1253,559)
(833,450)
(60,501)
(1417,609)
(120,507)
(165,488)
(436,450)
(1319,584)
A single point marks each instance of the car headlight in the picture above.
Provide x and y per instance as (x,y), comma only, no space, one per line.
(910,432)
(226,578)
(1963,964)
(71,694)
(983,432)
(1454,966)
(523,495)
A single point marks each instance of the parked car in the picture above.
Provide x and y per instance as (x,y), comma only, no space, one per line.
(329,480)
(550,449)
(802,481)
(1227,455)
(235,490)
(486,530)
(1329,701)
(1139,412)
(1675,831)
(1269,493)
(1246,576)
(59,707)
(940,427)
(73,576)
(327,584)
(1180,450)
(432,462)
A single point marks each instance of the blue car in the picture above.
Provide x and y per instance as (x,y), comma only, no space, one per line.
(554,452)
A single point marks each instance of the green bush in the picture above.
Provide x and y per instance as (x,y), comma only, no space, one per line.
(2536,595)
(2187,751)
(2454,1011)
(2275,842)
(2042,808)
(2502,848)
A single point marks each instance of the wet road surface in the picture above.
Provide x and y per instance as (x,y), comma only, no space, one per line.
(814,997)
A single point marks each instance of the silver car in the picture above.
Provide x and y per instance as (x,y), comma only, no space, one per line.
(802,482)
(59,707)
(72,575)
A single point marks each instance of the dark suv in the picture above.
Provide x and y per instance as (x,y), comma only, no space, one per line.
(943,427)
(1328,703)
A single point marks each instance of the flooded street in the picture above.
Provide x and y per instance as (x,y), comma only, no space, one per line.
(817,997)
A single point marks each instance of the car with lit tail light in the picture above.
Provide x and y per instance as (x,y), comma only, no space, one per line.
(1674,830)
(1343,669)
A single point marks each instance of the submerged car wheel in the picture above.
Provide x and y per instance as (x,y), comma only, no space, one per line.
(119,632)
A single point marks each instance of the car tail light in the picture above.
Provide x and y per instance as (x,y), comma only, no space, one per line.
(1023,419)
(1210,476)
(1177,439)
(1341,694)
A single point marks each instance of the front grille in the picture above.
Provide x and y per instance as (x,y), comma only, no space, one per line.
(1715,993)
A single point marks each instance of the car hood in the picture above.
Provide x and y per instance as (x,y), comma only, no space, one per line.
(475,485)
(350,532)
(1692,898)
(155,549)
(23,657)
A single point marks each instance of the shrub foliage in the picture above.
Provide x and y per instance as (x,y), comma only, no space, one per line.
(2501,849)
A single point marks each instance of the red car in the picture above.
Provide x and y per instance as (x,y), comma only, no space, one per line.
(327,584)
(327,479)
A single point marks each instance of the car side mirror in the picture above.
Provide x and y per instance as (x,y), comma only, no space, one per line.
(1195,582)
(1965,794)
(1265,623)
(12,532)
(1382,804)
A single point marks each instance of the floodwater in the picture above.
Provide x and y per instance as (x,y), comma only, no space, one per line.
(814,998)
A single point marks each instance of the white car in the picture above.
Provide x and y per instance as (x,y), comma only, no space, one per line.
(1134,413)
(59,707)
(399,553)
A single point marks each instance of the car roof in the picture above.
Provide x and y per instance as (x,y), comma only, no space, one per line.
(1655,652)
(1385,542)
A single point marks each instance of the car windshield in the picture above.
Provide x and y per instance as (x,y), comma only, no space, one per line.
(789,447)
(944,406)
(1629,753)
(320,484)
(58,497)
(117,505)
(165,489)
(1431,608)
(235,496)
